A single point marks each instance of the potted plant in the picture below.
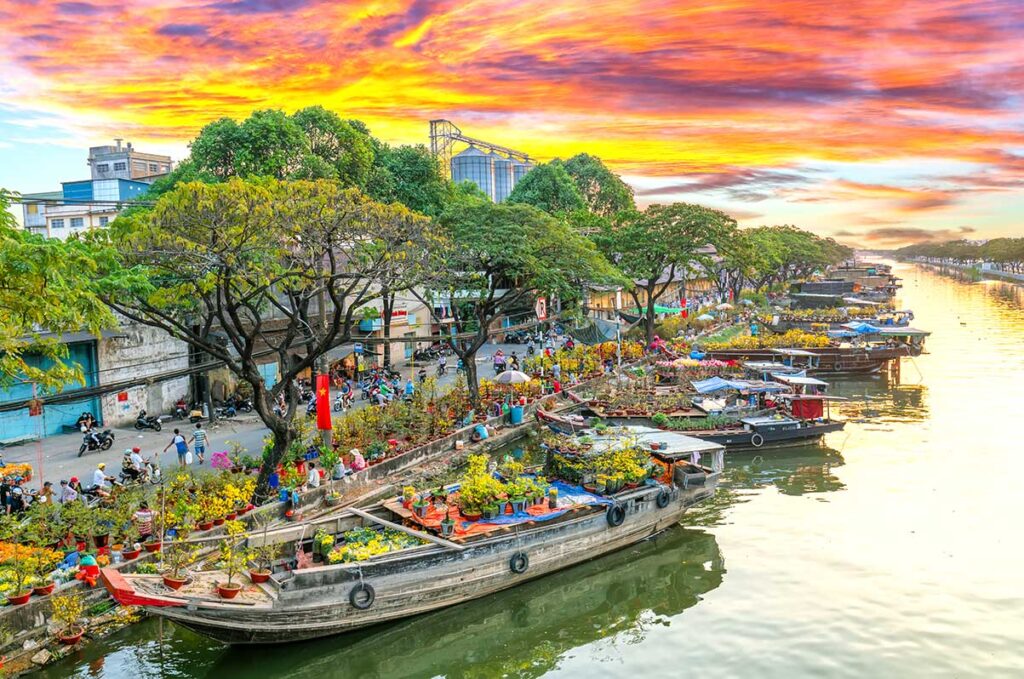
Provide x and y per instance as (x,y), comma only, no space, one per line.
(102,519)
(43,563)
(421,505)
(22,566)
(67,610)
(552,498)
(408,496)
(332,498)
(447,524)
(233,559)
(263,556)
(177,558)
(490,510)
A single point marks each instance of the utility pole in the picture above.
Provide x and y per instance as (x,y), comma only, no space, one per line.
(323,366)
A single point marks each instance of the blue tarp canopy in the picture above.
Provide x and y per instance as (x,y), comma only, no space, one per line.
(713,384)
(861,328)
(843,334)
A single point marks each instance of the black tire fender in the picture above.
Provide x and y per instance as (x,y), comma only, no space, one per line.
(519,562)
(663,499)
(615,515)
(157,425)
(362,596)
(757,440)
(81,450)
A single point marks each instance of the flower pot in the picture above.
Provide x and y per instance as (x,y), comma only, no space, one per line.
(227,591)
(218,522)
(80,546)
(258,577)
(421,509)
(72,638)
(19,599)
(174,583)
(152,546)
(205,525)
(471,516)
(44,589)
(333,500)
(129,554)
(101,540)
(552,503)
(232,516)
(117,547)
(447,528)
(518,505)
(242,511)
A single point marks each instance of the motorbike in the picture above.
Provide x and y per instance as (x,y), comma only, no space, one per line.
(225,411)
(96,441)
(241,405)
(180,411)
(342,402)
(195,415)
(442,369)
(143,422)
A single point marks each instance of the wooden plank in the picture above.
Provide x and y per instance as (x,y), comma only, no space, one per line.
(409,531)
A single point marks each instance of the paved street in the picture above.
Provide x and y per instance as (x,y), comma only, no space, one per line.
(59,459)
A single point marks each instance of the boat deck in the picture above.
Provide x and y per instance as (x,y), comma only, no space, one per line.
(203,587)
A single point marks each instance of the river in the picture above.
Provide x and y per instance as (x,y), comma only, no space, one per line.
(889,551)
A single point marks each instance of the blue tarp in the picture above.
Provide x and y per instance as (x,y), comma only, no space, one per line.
(861,328)
(713,384)
(569,496)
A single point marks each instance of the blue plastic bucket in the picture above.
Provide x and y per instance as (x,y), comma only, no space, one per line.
(481,431)
(515,415)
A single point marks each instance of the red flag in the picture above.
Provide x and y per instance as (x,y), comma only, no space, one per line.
(323,402)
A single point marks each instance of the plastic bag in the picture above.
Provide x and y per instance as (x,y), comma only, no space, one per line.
(188,457)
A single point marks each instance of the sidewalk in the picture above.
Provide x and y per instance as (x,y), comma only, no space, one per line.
(59,454)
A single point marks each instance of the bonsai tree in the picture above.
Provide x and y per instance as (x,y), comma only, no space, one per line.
(264,554)
(233,556)
(177,558)
(67,610)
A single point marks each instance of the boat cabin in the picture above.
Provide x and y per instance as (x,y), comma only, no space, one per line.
(798,358)
(763,425)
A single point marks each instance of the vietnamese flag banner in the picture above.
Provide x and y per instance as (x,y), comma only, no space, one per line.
(323,402)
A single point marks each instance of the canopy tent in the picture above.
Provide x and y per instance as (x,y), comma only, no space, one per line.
(512,377)
(903,332)
(862,328)
(842,334)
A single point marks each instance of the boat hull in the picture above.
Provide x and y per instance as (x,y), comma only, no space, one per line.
(741,440)
(316,602)
(830,360)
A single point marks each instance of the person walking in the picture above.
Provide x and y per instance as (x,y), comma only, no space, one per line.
(180,445)
(199,439)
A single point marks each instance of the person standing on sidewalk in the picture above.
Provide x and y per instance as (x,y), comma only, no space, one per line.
(199,439)
(178,441)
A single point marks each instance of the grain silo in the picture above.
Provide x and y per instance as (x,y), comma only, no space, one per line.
(476,166)
(502,177)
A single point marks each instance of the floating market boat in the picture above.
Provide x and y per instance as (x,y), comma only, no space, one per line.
(476,559)
(864,358)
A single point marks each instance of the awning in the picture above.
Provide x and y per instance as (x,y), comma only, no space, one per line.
(804,381)
(343,350)
(658,309)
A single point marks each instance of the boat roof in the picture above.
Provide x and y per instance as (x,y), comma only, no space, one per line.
(800,380)
(901,332)
(677,444)
(772,367)
(861,302)
(794,352)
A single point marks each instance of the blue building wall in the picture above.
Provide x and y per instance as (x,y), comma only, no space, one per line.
(78,190)
(128,189)
(19,423)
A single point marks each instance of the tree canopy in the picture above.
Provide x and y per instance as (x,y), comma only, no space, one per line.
(660,246)
(409,175)
(1005,252)
(498,257)
(239,270)
(603,192)
(548,187)
(45,292)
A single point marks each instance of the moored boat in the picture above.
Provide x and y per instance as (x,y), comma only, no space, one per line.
(478,559)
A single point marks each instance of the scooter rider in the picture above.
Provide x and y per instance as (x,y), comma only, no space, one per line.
(128,467)
(100,480)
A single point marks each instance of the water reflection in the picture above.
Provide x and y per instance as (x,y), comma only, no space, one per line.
(880,398)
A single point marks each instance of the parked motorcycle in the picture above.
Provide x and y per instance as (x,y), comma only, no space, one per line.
(180,410)
(241,405)
(96,441)
(144,422)
(225,411)
(195,415)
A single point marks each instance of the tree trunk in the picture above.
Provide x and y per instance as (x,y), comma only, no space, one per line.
(389,307)
(472,379)
(282,439)
(649,320)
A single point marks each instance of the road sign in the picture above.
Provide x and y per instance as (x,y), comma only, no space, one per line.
(357,348)
(541,307)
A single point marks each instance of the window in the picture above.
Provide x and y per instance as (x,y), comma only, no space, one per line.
(103,167)
(57,223)
(77,222)
(120,167)
(104,220)
(153,167)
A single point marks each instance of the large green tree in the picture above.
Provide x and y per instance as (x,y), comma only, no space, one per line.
(602,190)
(251,273)
(548,187)
(662,245)
(44,293)
(409,175)
(499,257)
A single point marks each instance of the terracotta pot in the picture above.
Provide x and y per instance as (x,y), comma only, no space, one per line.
(118,547)
(206,525)
(45,589)
(218,522)
(232,516)
(129,554)
(174,583)
(19,599)
(472,517)
(228,591)
(100,540)
(152,546)
(243,511)
(71,639)
(258,577)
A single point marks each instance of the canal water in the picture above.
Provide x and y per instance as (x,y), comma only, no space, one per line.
(893,550)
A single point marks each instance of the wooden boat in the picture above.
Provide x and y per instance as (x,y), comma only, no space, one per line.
(867,358)
(768,431)
(324,600)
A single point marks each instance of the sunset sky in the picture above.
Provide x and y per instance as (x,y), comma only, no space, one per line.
(880,122)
